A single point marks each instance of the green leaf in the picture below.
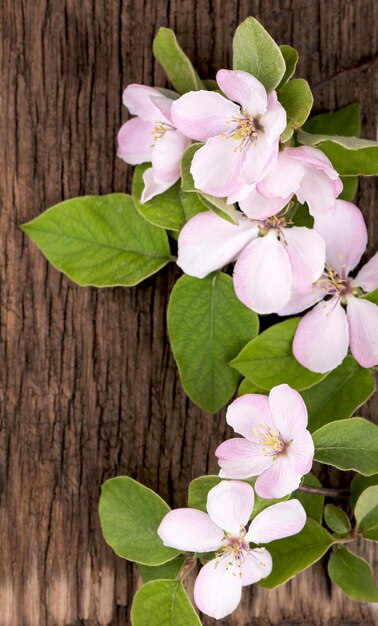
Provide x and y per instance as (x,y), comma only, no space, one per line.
(170,570)
(174,62)
(192,204)
(300,215)
(312,504)
(290,56)
(163,603)
(268,360)
(359,484)
(366,513)
(200,487)
(350,444)
(337,397)
(353,575)
(345,121)
(164,210)
(294,554)
(255,51)
(336,519)
(247,387)
(210,84)
(187,181)
(297,100)
(130,515)
(350,156)
(372,296)
(350,186)
(207,326)
(100,240)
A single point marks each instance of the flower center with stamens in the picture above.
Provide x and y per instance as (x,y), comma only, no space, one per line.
(273,442)
(233,548)
(334,284)
(245,131)
(159,131)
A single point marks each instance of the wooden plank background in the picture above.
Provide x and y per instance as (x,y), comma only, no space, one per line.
(89,388)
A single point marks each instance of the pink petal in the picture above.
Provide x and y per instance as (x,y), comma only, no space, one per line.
(259,157)
(135,141)
(367,277)
(230,505)
(277,521)
(239,458)
(363,330)
(263,276)
(208,242)
(142,101)
(217,590)
(321,339)
(318,191)
(345,235)
(301,452)
(216,167)
(278,480)
(190,530)
(244,89)
(154,186)
(306,250)
(203,114)
(167,154)
(274,120)
(249,414)
(288,410)
(257,564)
(300,301)
(313,158)
(283,179)
(257,207)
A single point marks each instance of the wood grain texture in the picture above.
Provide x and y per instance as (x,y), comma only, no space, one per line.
(88,386)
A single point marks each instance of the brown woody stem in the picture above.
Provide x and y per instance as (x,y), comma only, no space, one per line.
(325,491)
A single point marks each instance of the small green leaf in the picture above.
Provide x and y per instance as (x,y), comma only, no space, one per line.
(353,575)
(366,513)
(192,204)
(170,570)
(345,121)
(174,62)
(210,84)
(130,515)
(350,186)
(247,387)
(255,51)
(268,360)
(372,296)
(350,156)
(313,504)
(100,240)
(350,444)
(359,484)
(187,182)
(297,100)
(300,215)
(290,56)
(337,397)
(336,519)
(294,554)
(207,326)
(163,603)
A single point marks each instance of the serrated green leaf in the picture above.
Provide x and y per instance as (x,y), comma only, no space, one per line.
(359,484)
(353,575)
(366,513)
(313,504)
(163,603)
(290,56)
(297,100)
(268,360)
(350,444)
(294,554)
(345,121)
(337,397)
(174,62)
(207,326)
(169,570)
(255,51)
(100,240)
(130,515)
(336,519)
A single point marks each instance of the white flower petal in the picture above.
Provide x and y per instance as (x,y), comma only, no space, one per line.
(230,505)
(277,521)
(217,590)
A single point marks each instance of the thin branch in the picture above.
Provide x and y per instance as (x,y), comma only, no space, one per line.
(325,491)
(359,65)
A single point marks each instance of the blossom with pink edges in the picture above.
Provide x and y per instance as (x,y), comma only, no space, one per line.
(341,317)
(275,445)
(151,137)
(268,267)
(241,142)
(225,530)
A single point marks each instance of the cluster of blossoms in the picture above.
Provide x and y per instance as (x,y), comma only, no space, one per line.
(280,268)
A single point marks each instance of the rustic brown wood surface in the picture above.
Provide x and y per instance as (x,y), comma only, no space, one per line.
(89,388)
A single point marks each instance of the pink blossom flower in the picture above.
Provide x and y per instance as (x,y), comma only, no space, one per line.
(223,529)
(276,445)
(303,171)
(241,141)
(268,267)
(342,317)
(151,136)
